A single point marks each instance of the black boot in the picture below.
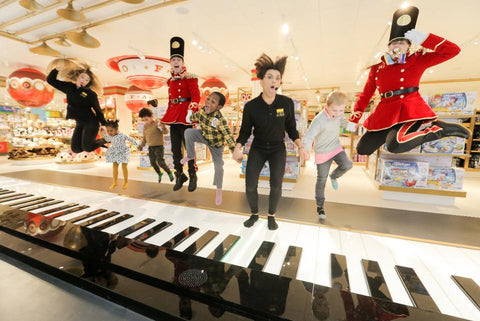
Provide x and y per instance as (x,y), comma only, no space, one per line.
(101,142)
(451,129)
(272,225)
(192,184)
(249,223)
(181,178)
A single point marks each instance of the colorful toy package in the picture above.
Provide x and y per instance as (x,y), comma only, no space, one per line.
(446,145)
(403,173)
(445,178)
(452,103)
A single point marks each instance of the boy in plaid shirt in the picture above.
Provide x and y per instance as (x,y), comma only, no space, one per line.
(213,132)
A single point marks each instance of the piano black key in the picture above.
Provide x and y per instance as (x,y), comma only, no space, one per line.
(135,227)
(291,262)
(470,288)
(339,272)
(154,230)
(222,249)
(11,195)
(180,237)
(86,215)
(42,205)
(376,283)
(56,209)
(260,258)
(112,222)
(199,244)
(99,218)
(26,201)
(72,210)
(45,200)
(14,197)
(415,288)
(6,192)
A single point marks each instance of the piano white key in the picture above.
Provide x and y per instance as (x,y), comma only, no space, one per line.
(328,242)
(405,254)
(377,251)
(307,239)
(354,250)
(283,237)
(441,267)
(473,255)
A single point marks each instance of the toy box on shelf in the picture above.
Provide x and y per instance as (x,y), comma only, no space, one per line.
(444,181)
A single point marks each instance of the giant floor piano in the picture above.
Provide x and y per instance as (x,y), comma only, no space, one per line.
(114,255)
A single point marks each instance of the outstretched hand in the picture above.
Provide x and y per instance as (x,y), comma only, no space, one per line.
(237,155)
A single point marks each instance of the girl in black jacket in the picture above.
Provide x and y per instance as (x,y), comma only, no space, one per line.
(82,102)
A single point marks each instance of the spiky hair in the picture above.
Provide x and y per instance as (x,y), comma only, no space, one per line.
(265,63)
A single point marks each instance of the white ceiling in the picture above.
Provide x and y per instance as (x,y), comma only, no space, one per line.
(334,39)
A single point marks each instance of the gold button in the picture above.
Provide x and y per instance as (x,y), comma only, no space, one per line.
(402,87)
(401,96)
(401,79)
(403,70)
(376,78)
(179,90)
(179,83)
(179,96)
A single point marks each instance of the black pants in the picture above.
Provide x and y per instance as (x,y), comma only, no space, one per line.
(84,136)
(155,153)
(177,138)
(276,157)
(399,139)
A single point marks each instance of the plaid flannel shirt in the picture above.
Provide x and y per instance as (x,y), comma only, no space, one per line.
(214,128)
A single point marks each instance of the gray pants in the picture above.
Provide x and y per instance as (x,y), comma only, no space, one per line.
(193,136)
(344,164)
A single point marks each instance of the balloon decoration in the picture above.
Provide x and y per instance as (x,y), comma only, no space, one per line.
(29,87)
(147,72)
(136,98)
(211,85)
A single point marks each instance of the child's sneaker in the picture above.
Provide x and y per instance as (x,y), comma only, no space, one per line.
(334,183)
(321,213)
(170,177)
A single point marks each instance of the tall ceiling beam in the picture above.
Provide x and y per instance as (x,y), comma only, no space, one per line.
(31,14)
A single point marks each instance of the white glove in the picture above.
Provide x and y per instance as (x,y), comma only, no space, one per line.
(189,115)
(417,37)
(351,126)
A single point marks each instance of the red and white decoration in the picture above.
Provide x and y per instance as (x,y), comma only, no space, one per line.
(29,88)
(147,73)
(211,85)
(136,98)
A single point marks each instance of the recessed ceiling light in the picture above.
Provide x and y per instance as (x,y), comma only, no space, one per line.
(285,28)
(405,5)
(194,42)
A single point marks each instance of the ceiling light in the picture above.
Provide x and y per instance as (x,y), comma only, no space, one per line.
(405,5)
(475,43)
(194,42)
(431,71)
(200,47)
(30,5)
(358,82)
(389,23)
(45,50)
(297,57)
(69,13)
(63,42)
(83,39)
(285,28)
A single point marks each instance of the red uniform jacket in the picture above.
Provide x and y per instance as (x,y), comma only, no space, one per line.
(408,107)
(185,87)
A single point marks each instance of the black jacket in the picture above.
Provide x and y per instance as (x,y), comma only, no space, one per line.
(269,122)
(82,103)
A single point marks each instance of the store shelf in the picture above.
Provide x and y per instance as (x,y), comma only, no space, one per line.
(476,140)
(266,178)
(455,116)
(422,191)
(430,154)
(475,151)
(473,169)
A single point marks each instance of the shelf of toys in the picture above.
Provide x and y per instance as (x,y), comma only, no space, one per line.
(292,165)
(201,151)
(35,135)
(434,170)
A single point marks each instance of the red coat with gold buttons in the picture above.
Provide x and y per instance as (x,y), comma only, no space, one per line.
(184,87)
(384,78)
